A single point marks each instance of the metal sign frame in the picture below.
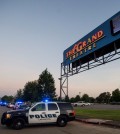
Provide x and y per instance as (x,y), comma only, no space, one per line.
(67,71)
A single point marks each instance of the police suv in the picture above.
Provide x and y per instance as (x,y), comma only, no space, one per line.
(42,112)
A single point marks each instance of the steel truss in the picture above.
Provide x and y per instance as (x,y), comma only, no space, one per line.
(94,61)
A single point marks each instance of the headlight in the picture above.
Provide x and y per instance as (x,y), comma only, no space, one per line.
(8,116)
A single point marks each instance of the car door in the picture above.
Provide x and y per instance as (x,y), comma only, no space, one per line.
(37,114)
(52,111)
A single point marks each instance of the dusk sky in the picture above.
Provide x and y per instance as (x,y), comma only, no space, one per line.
(34,34)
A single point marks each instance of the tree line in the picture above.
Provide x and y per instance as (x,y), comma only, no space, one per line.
(44,88)
(105,97)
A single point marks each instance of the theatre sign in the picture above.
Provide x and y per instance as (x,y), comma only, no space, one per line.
(101,37)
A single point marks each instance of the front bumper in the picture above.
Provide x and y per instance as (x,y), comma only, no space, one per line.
(5,121)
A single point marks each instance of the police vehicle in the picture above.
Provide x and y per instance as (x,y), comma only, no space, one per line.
(42,112)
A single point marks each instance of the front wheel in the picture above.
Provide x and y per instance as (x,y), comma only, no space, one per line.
(62,121)
(18,124)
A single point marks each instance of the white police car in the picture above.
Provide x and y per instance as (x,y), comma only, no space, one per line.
(42,112)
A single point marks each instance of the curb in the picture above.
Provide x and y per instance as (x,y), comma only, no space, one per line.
(104,123)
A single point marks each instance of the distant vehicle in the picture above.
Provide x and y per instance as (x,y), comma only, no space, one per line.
(81,103)
(10,105)
(23,106)
(3,103)
(0,103)
(17,105)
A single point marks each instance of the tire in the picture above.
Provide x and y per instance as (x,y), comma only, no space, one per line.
(82,105)
(18,124)
(62,121)
(75,105)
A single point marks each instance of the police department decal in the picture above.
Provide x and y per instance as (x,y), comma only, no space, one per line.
(43,116)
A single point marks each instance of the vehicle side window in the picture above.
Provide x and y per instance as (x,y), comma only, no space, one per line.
(52,106)
(39,107)
(65,106)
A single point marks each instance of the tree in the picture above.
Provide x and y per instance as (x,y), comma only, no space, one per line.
(46,85)
(91,99)
(30,91)
(72,100)
(104,97)
(7,98)
(77,98)
(67,98)
(116,95)
(107,97)
(85,98)
(19,95)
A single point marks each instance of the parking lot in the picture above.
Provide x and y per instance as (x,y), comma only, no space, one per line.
(102,107)
(72,128)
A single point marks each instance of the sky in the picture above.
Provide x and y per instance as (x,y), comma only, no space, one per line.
(34,34)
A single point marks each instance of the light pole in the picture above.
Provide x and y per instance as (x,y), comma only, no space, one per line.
(60,89)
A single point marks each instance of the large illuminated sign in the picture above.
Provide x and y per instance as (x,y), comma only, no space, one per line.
(101,37)
(84,46)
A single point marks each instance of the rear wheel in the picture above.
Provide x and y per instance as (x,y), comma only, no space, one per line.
(82,105)
(18,124)
(62,121)
(75,105)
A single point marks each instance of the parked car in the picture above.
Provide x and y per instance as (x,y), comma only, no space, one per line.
(81,103)
(23,106)
(10,105)
(17,104)
(3,103)
(0,103)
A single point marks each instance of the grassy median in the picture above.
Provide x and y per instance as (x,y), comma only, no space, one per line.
(100,114)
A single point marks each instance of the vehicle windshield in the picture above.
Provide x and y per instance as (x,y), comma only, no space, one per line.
(24,107)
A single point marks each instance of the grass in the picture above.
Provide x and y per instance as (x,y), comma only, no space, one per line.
(100,114)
